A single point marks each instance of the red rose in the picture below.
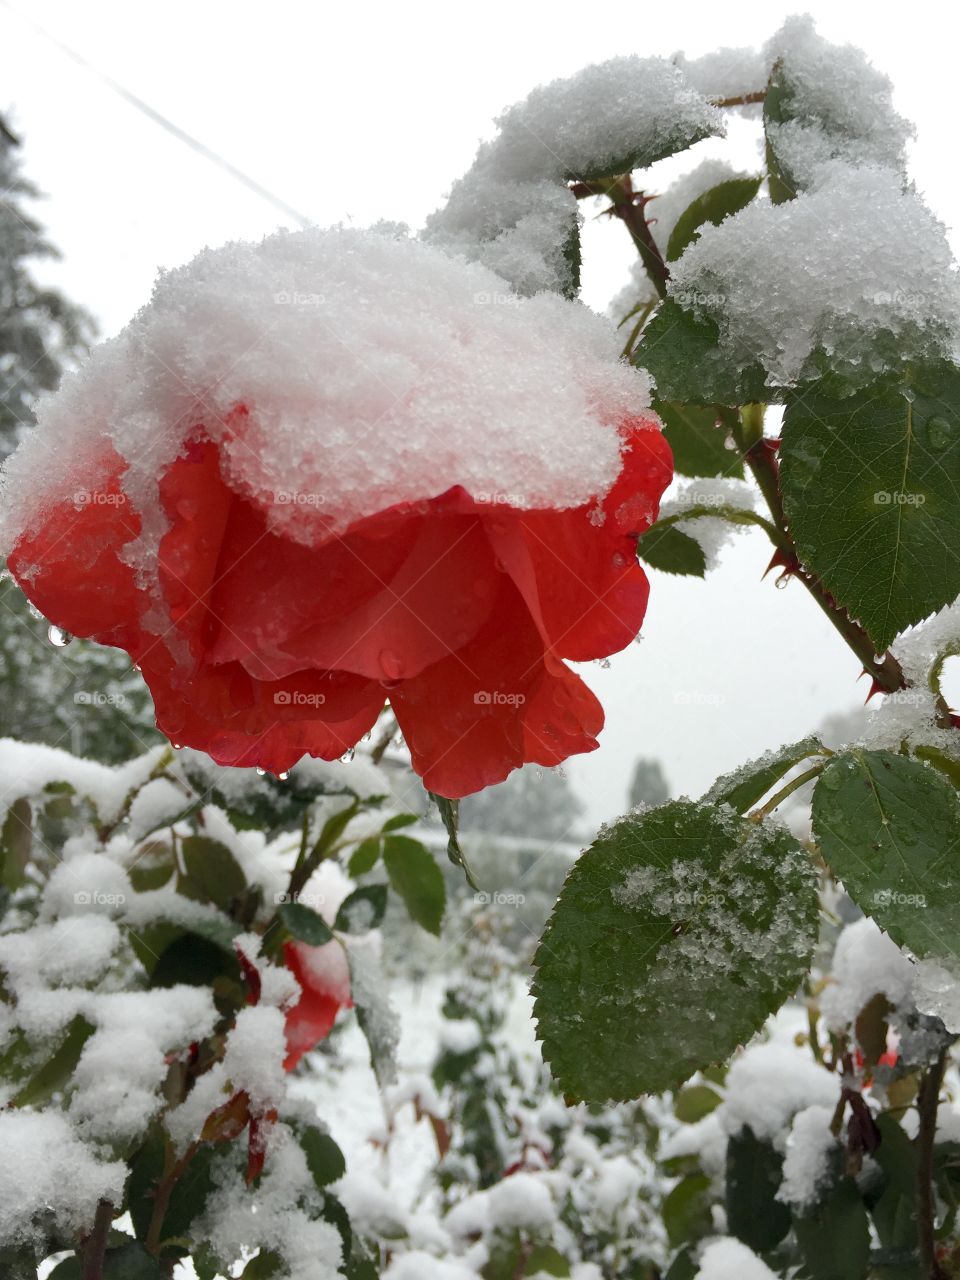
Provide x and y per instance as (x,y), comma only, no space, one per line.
(324,990)
(459,612)
(170,503)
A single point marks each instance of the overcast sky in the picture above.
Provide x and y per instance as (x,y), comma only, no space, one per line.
(351,113)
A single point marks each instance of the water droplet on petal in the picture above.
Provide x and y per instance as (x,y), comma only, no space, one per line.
(261,773)
(58,637)
(390,664)
(284,775)
(348,755)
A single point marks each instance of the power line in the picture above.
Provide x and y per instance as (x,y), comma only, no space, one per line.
(171,128)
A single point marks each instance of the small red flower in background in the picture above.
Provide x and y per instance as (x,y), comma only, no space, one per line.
(324,990)
(460,612)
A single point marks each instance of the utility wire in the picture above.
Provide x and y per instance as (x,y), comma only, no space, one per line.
(171,128)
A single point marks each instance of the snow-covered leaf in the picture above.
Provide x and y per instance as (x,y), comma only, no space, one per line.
(682,354)
(753,1174)
(675,935)
(746,786)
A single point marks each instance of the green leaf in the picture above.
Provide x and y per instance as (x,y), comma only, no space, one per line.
(194,960)
(870,489)
(324,1158)
(334,828)
(55,1073)
(418,880)
(682,354)
(545,1259)
(835,1238)
(364,857)
(449,811)
(697,435)
(713,206)
(669,549)
(686,1210)
(16,843)
(362,910)
(129,1262)
(694,1102)
(777,109)
(746,786)
(399,820)
(305,924)
(675,935)
(263,1266)
(754,1174)
(189,1194)
(213,873)
(888,827)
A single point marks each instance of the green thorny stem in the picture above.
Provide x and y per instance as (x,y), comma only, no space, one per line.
(928,1099)
(759,453)
(629,205)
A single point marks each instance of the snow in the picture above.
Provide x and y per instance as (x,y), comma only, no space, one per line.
(418,1265)
(806,1166)
(768,1084)
(866,963)
(253,1061)
(54,1176)
(780,288)
(523,1202)
(841,106)
(234,1221)
(512,210)
(728,1259)
(154,806)
(424,372)
(27,768)
(727,73)
(371,997)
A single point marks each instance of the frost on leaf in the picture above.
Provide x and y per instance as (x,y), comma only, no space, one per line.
(675,935)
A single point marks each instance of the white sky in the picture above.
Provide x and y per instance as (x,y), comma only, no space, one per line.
(358,112)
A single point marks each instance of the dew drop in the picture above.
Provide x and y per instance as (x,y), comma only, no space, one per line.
(390,664)
(261,773)
(940,433)
(284,775)
(348,755)
(782,582)
(58,637)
